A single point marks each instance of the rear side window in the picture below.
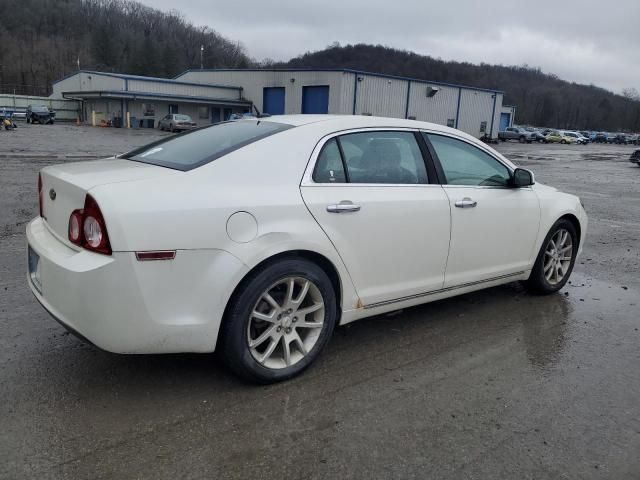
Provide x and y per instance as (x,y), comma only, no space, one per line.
(465,164)
(329,168)
(386,157)
(198,147)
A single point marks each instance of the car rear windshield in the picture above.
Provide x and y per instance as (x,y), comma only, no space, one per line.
(182,118)
(40,109)
(198,147)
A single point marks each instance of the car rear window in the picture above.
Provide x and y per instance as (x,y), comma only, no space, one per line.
(198,147)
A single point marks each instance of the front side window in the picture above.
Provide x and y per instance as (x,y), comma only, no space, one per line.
(383,157)
(198,147)
(465,164)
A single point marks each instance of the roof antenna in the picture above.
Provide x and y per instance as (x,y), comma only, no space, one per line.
(258,114)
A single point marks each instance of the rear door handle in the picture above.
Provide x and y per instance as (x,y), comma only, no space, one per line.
(466,202)
(344,206)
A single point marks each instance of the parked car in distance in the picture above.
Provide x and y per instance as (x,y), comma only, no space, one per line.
(559,136)
(635,157)
(537,136)
(257,237)
(175,122)
(40,114)
(579,139)
(600,137)
(515,133)
(634,139)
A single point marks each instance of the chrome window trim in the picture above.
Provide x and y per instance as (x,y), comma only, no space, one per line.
(480,147)
(307,179)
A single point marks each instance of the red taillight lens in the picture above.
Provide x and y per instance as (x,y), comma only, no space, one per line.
(40,193)
(88,229)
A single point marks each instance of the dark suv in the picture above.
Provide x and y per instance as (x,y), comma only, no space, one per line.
(39,114)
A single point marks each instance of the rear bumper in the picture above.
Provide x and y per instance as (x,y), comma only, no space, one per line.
(125,306)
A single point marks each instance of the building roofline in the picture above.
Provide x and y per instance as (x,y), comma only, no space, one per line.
(148,79)
(341,70)
(129,94)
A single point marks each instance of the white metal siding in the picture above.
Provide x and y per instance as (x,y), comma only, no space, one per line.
(253,83)
(477,107)
(381,96)
(437,109)
(150,86)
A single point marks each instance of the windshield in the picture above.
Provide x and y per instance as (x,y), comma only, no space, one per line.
(40,109)
(182,118)
(201,146)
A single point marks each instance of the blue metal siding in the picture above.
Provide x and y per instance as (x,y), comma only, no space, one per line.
(273,100)
(315,99)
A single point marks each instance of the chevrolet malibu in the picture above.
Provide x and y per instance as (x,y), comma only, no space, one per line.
(255,238)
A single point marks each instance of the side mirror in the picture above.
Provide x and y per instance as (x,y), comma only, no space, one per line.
(522,178)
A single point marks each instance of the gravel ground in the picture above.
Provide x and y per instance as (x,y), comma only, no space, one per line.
(495,384)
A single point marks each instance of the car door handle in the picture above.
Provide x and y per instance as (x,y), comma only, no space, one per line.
(466,202)
(344,206)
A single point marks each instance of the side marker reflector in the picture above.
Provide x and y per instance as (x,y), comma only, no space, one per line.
(156,255)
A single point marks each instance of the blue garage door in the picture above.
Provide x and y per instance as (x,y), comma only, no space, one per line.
(315,99)
(273,100)
(505,119)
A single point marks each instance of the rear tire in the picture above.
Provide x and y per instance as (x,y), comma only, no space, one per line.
(552,268)
(266,338)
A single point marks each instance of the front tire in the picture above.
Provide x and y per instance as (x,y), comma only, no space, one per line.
(278,321)
(555,260)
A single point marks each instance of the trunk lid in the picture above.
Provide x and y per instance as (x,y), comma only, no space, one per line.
(65,186)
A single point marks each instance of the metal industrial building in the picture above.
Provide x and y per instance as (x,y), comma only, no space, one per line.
(212,95)
(344,91)
(106,96)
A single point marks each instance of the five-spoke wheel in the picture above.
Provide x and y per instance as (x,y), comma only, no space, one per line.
(286,322)
(279,320)
(556,258)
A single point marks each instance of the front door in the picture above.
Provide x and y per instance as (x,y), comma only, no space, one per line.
(493,226)
(173,109)
(371,195)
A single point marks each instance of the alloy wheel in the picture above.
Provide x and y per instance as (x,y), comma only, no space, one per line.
(557,256)
(285,323)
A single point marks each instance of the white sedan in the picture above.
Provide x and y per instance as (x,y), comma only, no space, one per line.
(256,237)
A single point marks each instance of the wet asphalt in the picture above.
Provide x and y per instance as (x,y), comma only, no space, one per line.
(494,384)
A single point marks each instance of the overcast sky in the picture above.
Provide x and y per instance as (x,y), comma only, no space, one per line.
(584,41)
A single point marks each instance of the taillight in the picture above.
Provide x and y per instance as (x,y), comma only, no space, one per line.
(88,229)
(40,193)
(75,227)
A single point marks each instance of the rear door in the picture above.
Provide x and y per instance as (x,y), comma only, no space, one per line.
(371,194)
(493,226)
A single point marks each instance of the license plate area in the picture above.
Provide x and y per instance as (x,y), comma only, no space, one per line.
(34,269)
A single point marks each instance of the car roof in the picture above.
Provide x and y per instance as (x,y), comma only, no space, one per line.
(336,123)
(328,124)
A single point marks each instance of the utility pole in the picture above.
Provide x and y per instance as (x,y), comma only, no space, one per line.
(201,57)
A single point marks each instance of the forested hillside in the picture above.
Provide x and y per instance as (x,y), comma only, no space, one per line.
(41,41)
(541,99)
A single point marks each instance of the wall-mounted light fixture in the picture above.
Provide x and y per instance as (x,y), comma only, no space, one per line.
(292,80)
(360,79)
(431,91)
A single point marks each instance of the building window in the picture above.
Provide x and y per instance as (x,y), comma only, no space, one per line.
(148,110)
(483,127)
(203,113)
(451,123)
